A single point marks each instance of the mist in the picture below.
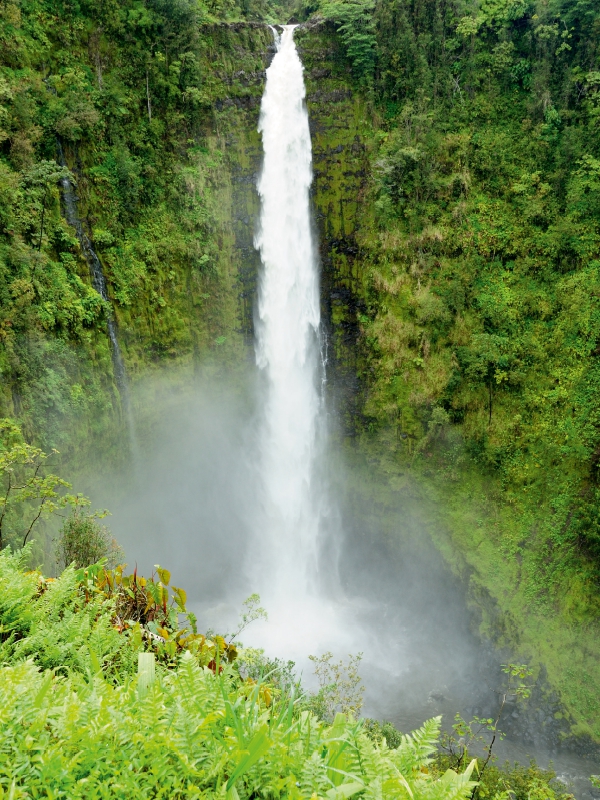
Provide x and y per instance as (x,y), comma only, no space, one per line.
(192,504)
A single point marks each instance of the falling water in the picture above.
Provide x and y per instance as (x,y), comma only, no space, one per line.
(292,558)
(99,283)
(97,275)
(287,348)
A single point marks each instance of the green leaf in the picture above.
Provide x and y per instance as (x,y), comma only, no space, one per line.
(346,790)
(163,574)
(257,747)
(180,597)
(96,663)
(146,672)
(46,684)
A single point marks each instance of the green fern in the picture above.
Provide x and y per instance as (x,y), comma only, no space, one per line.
(78,723)
(91,738)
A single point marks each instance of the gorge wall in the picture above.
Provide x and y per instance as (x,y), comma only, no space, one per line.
(157,119)
(164,175)
(163,154)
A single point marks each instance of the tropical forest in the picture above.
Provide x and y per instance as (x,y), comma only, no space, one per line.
(300,399)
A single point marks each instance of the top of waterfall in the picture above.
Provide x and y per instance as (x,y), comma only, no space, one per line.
(279,28)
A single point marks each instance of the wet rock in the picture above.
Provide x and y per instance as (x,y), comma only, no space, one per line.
(437,696)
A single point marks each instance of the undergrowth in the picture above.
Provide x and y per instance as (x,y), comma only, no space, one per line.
(76,724)
(83,716)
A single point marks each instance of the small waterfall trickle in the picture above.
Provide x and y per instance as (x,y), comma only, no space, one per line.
(99,284)
(98,279)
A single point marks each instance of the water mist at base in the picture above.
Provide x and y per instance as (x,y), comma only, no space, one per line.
(194,510)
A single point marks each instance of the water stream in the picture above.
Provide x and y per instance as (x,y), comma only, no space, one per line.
(287,345)
(97,275)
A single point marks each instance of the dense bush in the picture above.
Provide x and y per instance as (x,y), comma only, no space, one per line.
(196,734)
(29,492)
(83,717)
(83,540)
(484,259)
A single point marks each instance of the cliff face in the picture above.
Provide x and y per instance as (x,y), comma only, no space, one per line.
(158,142)
(457,232)
(400,331)
(234,123)
(342,131)
(158,127)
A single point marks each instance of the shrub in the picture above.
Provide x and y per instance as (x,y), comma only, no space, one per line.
(378,731)
(77,722)
(201,728)
(340,687)
(97,620)
(50,622)
(83,541)
(28,493)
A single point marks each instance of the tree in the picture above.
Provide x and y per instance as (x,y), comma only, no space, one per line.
(28,493)
(355,22)
(490,360)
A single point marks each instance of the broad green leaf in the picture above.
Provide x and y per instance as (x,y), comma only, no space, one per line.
(164,575)
(180,597)
(346,790)
(146,672)
(257,747)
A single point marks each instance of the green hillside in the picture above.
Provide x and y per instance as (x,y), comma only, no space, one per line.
(478,305)
(457,196)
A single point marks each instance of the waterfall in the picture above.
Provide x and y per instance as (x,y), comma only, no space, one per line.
(97,275)
(284,557)
(99,284)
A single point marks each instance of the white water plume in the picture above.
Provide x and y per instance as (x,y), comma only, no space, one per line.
(284,557)
(306,613)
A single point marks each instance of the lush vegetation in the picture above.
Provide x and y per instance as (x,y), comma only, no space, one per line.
(77,721)
(483,255)
(125,93)
(477,258)
(107,687)
(475,264)
(485,269)
(108,690)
